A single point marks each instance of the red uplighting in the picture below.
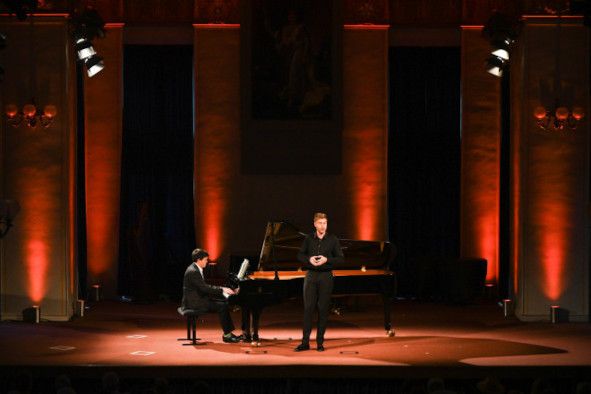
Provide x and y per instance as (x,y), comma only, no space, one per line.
(480,203)
(37,264)
(367,184)
(213,171)
(40,211)
(102,199)
(212,216)
(488,240)
(553,246)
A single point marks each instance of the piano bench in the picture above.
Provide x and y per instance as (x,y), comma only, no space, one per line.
(191,316)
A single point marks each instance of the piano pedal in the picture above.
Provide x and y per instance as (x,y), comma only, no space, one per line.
(337,311)
(390,333)
(255,344)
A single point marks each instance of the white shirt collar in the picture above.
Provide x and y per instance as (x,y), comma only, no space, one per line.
(200,270)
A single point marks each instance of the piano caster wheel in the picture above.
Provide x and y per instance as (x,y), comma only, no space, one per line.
(390,333)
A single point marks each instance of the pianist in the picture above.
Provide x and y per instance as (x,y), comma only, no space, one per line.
(200,296)
(320,251)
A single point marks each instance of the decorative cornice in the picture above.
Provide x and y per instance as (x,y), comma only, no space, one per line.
(365,12)
(217,12)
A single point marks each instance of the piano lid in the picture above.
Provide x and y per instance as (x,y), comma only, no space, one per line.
(283,240)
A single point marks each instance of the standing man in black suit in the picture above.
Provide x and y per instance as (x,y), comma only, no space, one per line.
(200,296)
(320,251)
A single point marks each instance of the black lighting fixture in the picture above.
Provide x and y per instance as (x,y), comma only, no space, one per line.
(87,54)
(88,25)
(501,31)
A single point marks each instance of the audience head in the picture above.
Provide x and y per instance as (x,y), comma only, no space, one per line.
(490,385)
(110,382)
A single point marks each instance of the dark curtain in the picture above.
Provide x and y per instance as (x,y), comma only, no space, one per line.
(157,223)
(505,274)
(424,163)
(81,251)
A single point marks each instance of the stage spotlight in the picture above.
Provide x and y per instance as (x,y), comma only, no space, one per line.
(94,65)
(500,48)
(86,26)
(501,31)
(84,48)
(32,314)
(495,65)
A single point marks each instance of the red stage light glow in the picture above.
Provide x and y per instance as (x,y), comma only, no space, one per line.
(552,249)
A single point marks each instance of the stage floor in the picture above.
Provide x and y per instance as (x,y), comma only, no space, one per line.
(430,337)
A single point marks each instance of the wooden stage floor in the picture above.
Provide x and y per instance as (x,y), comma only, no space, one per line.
(432,339)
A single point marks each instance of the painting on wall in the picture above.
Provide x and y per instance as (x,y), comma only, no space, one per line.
(291,86)
(291,64)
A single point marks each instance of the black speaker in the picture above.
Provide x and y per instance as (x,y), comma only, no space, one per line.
(32,314)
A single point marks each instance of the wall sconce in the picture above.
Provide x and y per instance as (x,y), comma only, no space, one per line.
(559,118)
(30,115)
(8,210)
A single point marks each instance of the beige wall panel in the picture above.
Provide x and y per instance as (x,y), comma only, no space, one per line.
(554,173)
(103,114)
(36,254)
(365,131)
(481,136)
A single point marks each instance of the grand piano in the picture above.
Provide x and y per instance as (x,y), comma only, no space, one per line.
(279,275)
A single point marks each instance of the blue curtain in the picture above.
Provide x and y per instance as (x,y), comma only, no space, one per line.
(157,222)
(424,161)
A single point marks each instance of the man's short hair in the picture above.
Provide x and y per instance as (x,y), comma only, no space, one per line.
(199,254)
(320,215)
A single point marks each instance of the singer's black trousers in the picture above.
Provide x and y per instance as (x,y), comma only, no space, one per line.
(317,291)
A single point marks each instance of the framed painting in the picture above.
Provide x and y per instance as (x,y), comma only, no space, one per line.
(290,77)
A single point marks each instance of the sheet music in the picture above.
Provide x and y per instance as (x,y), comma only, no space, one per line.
(243,268)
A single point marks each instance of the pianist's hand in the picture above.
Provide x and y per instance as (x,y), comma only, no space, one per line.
(228,291)
(313,260)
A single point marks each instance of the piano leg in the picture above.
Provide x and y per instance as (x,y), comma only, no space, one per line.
(256,314)
(246,323)
(387,315)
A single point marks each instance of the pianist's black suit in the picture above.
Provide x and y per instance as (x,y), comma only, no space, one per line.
(203,297)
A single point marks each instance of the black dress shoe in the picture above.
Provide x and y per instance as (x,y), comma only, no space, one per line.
(301,347)
(320,348)
(232,338)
